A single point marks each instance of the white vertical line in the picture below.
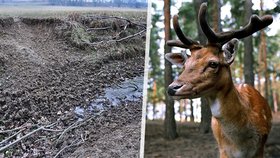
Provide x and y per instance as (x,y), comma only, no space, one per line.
(144,104)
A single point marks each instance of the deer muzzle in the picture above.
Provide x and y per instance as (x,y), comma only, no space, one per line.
(172,89)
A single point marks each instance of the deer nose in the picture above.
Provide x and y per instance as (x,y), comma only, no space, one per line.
(172,89)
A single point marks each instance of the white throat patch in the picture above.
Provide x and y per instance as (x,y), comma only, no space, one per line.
(215,107)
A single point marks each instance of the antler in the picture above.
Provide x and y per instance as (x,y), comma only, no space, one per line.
(256,23)
(183,42)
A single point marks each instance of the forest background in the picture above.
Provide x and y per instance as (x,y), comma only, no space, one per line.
(182,128)
(257,62)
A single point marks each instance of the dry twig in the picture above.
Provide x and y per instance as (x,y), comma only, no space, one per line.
(6,139)
(130,36)
(71,145)
(99,28)
(17,128)
(25,136)
(76,125)
(66,130)
(20,139)
(120,18)
(118,40)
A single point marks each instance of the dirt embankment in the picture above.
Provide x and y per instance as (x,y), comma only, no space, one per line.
(50,66)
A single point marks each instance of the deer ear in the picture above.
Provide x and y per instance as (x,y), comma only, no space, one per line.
(177,59)
(229,50)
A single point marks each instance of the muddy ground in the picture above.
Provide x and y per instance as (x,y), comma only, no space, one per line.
(50,66)
(193,144)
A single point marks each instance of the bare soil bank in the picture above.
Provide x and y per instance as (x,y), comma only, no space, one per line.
(50,66)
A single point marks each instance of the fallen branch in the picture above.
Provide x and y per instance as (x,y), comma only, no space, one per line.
(106,28)
(11,130)
(118,40)
(130,36)
(20,139)
(66,130)
(3,141)
(118,34)
(99,28)
(121,18)
(71,145)
(47,128)
(25,136)
(76,125)
(17,128)
(52,130)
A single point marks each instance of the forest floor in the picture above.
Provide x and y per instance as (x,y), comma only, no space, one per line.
(193,144)
(55,79)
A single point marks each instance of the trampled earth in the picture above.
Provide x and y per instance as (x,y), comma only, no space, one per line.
(53,79)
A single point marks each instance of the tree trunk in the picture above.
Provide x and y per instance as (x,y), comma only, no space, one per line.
(201,37)
(263,54)
(206,115)
(182,109)
(248,48)
(216,12)
(205,108)
(275,107)
(169,122)
(186,108)
(154,99)
(192,116)
(274,93)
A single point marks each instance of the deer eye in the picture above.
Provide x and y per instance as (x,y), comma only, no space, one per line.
(213,64)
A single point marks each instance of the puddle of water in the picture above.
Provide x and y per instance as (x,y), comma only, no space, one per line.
(128,90)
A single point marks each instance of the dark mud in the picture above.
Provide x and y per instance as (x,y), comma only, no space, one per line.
(48,67)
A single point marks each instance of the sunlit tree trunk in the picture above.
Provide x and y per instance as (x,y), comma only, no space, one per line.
(259,78)
(182,109)
(185,108)
(248,48)
(262,52)
(216,12)
(274,93)
(169,122)
(239,67)
(205,109)
(275,101)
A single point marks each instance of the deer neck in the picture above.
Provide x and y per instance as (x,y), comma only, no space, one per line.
(227,104)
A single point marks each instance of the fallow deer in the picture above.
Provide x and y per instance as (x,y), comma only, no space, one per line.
(241,117)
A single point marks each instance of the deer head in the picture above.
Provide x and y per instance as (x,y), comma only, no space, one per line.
(206,70)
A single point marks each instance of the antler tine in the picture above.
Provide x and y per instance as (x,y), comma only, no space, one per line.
(177,43)
(180,34)
(209,33)
(183,42)
(256,23)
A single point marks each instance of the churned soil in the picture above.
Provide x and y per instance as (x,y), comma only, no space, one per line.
(50,66)
(193,144)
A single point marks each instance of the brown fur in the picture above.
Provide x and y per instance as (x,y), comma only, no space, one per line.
(241,118)
(244,124)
